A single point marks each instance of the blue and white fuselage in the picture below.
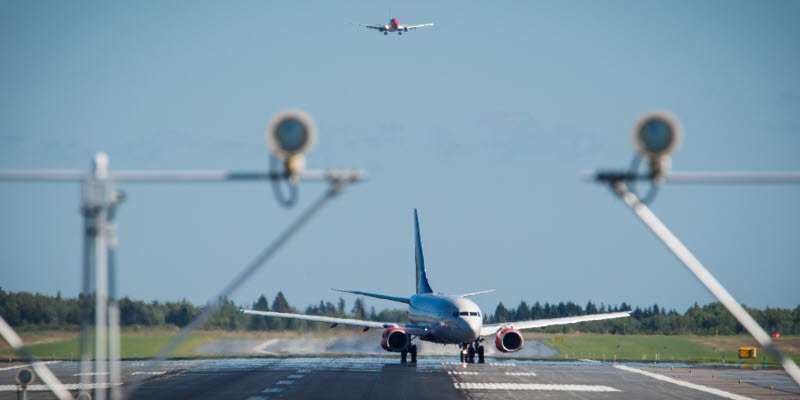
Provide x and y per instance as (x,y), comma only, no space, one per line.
(449,319)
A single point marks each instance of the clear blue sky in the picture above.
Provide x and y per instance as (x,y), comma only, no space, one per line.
(484,122)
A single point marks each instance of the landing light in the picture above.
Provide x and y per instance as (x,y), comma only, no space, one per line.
(290,135)
(656,135)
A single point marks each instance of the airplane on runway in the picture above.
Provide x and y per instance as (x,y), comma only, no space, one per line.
(441,318)
(394,26)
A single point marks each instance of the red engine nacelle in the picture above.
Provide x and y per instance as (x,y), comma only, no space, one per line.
(509,340)
(395,339)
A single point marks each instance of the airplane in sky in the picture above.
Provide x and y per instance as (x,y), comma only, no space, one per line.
(394,26)
(441,318)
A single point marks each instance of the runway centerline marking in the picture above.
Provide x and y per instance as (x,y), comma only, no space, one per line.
(26,365)
(284,382)
(534,386)
(272,390)
(521,373)
(462,372)
(90,373)
(685,384)
(148,372)
(295,376)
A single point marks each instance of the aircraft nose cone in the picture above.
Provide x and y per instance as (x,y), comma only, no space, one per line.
(475,328)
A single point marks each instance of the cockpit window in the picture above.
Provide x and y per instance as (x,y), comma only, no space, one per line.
(473,313)
(464,313)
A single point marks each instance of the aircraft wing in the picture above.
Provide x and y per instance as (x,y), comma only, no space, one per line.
(418,26)
(378,27)
(410,329)
(377,296)
(491,329)
(475,293)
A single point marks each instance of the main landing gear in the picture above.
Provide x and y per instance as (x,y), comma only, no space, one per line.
(385,33)
(470,350)
(411,350)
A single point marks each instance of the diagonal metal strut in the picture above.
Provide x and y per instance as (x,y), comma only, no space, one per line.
(704,276)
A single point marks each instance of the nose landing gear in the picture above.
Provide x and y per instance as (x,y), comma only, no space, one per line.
(470,350)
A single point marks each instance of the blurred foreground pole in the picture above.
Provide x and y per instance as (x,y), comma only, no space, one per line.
(113,305)
(695,267)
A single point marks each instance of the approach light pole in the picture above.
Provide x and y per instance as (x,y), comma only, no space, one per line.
(289,137)
(656,136)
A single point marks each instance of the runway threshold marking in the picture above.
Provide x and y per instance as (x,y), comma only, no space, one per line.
(718,392)
(534,386)
(90,373)
(521,373)
(25,365)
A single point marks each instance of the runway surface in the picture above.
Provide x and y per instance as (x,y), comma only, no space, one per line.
(431,378)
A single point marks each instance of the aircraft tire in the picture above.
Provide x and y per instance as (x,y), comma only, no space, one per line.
(471,354)
(480,352)
(413,351)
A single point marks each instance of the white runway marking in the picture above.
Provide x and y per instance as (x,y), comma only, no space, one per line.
(690,385)
(272,390)
(503,364)
(25,365)
(149,372)
(521,373)
(296,376)
(588,360)
(462,372)
(284,382)
(535,386)
(68,386)
(90,373)
(256,398)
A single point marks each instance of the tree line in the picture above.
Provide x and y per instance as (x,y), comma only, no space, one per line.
(38,311)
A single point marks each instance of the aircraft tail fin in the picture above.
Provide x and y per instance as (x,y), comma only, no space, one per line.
(422,278)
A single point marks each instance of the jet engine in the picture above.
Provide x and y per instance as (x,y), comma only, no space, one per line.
(395,339)
(509,340)
(405,29)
